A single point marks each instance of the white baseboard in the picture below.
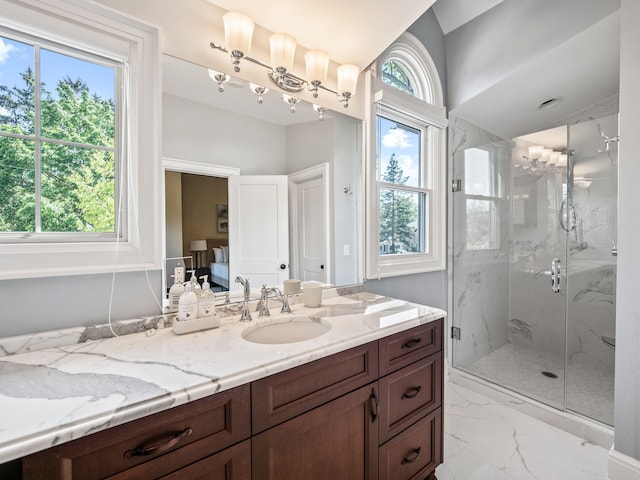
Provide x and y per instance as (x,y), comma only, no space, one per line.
(622,467)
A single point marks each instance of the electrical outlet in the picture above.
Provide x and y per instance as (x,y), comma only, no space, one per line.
(178,273)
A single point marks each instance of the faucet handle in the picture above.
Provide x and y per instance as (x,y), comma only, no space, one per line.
(286,308)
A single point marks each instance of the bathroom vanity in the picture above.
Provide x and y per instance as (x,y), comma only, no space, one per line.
(363,400)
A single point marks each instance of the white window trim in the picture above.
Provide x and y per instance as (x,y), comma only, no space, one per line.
(410,53)
(432,115)
(143,248)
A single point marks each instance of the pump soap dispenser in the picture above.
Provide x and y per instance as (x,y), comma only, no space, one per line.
(188,304)
(206,300)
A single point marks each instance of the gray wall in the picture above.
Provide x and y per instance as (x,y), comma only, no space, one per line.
(426,288)
(428,31)
(40,304)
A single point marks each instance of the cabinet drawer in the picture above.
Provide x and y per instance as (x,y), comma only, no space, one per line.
(406,347)
(408,394)
(415,453)
(234,463)
(179,436)
(284,395)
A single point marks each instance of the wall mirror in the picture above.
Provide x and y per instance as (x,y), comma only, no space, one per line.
(226,154)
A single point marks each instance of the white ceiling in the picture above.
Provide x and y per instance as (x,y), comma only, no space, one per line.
(350,31)
(582,70)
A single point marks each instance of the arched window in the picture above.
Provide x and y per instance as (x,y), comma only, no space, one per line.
(406,169)
(407,66)
(394,74)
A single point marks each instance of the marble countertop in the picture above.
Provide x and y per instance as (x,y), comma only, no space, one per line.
(58,394)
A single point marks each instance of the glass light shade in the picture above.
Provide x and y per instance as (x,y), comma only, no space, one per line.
(553,160)
(283,48)
(317,63)
(546,155)
(562,160)
(222,77)
(535,151)
(255,88)
(238,30)
(347,79)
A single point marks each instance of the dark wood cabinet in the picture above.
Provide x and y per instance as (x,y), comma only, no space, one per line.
(150,447)
(284,395)
(411,395)
(373,411)
(336,440)
(415,453)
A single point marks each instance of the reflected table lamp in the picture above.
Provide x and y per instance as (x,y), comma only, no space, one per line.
(200,249)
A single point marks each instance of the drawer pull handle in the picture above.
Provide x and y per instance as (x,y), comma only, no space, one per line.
(145,450)
(412,393)
(412,457)
(411,343)
(373,405)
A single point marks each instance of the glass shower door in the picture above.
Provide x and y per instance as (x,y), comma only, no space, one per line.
(508,247)
(592,269)
(538,265)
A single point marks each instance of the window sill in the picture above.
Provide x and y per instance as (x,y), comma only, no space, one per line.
(406,265)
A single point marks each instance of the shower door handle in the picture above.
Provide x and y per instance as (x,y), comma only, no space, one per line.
(555,275)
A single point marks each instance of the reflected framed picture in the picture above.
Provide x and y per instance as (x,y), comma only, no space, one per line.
(223,225)
(222,211)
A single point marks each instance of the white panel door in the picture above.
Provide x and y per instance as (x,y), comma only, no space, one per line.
(258,229)
(311,235)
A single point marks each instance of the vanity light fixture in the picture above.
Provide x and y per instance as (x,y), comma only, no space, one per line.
(219,78)
(543,159)
(292,101)
(259,91)
(238,33)
(320,109)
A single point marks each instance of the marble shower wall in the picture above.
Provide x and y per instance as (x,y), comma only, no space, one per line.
(479,277)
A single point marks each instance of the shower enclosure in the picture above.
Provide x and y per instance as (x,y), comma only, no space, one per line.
(533,283)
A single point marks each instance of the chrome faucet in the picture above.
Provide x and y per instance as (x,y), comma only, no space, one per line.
(263,305)
(245,316)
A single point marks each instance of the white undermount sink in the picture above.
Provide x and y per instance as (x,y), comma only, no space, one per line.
(289,329)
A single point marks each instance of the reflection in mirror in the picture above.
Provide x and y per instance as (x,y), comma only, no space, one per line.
(219,150)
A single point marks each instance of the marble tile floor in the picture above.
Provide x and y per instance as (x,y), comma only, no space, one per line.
(485,440)
(590,387)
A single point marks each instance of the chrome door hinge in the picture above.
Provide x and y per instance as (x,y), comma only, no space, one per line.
(456,185)
(455,333)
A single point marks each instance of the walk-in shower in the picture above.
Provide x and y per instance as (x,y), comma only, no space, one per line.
(533,261)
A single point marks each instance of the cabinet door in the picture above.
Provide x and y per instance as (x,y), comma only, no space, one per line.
(337,440)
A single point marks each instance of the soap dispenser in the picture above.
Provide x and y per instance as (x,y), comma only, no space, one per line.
(206,300)
(195,286)
(188,304)
(175,291)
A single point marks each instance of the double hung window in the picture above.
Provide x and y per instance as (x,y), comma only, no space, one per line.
(58,149)
(482,199)
(80,179)
(406,200)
